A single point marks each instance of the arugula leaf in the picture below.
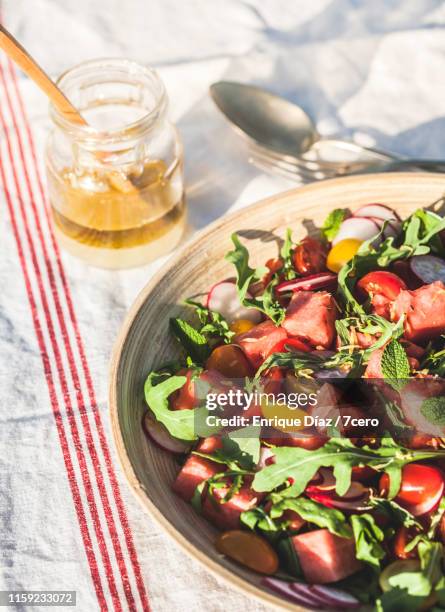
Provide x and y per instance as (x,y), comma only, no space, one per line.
(395,365)
(312,512)
(411,588)
(213,323)
(396,513)
(194,343)
(257,518)
(239,448)
(434,362)
(433,409)
(245,275)
(244,446)
(288,270)
(332,223)
(340,454)
(368,537)
(398,599)
(182,424)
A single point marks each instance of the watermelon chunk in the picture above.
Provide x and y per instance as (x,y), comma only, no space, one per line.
(227,515)
(258,342)
(194,471)
(325,557)
(311,317)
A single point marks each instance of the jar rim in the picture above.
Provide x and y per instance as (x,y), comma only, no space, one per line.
(127,68)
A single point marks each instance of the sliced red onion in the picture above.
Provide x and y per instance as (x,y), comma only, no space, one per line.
(428,268)
(334,597)
(223,298)
(323,280)
(160,436)
(285,589)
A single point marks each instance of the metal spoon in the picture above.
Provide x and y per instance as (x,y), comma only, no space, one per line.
(286,130)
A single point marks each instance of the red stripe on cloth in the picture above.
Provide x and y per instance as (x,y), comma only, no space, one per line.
(54,403)
(72,366)
(91,392)
(60,370)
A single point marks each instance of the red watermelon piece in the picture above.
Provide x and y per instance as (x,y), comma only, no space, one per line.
(325,557)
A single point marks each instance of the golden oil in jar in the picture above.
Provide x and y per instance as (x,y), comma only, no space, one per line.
(116,186)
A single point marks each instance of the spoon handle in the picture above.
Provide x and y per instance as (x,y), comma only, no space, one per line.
(22,58)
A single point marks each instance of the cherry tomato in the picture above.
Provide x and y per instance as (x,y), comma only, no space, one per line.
(421,488)
(249,549)
(283,346)
(341,253)
(274,265)
(383,283)
(230,361)
(185,398)
(240,326)
(402,537)
(309,256)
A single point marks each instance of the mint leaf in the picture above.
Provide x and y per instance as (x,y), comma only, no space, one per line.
(182,424)
(395,365)
(194,343)
(433,409)
(332,223)
(368,538)
(317,514)
(245,276)
(213,324)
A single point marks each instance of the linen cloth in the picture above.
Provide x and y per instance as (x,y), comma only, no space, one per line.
(372,71)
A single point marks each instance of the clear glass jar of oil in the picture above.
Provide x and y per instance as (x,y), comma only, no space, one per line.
(116,185)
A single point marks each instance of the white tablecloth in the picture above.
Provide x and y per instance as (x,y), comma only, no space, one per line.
(368,70)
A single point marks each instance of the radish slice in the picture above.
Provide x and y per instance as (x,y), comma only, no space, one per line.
(379,211)
(285,589)
(334,597)
(323,280)
(160,436)
(358,228)
(428,268)
(223,298)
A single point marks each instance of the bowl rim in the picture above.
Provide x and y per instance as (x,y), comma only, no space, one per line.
(229,577)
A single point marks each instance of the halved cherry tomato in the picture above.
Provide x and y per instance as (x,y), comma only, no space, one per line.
(230,361)
(402,537)
(381,282)
(310,256)
(421,488)
(185,398)
(283,346)
(341,253)
(248,549)
(274,265)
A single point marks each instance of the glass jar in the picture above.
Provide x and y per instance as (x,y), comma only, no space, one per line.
(115,185)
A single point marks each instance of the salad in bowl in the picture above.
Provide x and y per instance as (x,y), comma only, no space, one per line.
(306,410)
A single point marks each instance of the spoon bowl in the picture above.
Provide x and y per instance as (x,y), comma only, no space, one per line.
(268,119)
